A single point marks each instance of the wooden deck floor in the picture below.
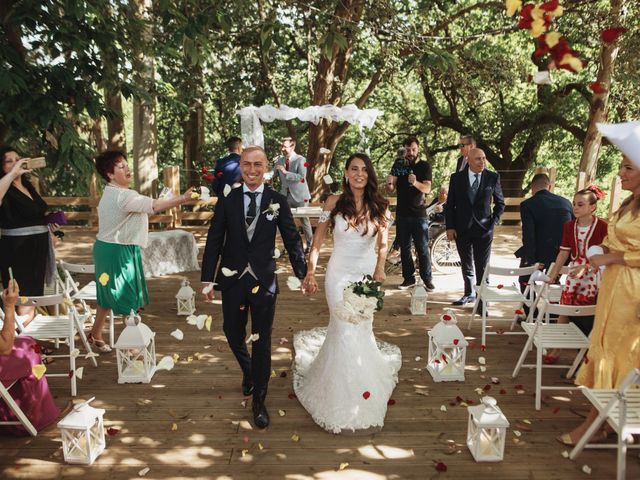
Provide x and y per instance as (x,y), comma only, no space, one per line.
(215,438)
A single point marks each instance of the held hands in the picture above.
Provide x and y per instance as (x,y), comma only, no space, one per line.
(208,293)
(11,293)
(309,284)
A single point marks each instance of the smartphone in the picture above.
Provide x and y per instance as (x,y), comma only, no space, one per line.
(38,162)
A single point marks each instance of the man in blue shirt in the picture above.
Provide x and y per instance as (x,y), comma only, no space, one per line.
(227,169)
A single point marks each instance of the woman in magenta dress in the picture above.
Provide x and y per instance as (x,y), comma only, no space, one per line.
(17,358)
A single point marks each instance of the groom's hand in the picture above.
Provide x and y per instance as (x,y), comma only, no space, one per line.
(207,292)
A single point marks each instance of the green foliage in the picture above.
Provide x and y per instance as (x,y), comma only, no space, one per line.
(368,287)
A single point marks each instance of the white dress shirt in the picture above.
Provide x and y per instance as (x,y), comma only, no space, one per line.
(472,177)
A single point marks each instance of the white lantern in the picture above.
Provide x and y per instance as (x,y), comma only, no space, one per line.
(82,434)
(186,299)
(487,431)
(136,351)
(447,350)
(419,300)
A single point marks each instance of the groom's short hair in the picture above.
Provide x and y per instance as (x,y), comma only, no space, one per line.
(254,148)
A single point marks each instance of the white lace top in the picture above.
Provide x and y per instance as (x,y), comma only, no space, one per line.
(123,216)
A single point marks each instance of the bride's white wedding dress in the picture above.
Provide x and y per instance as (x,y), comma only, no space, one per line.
(342,375)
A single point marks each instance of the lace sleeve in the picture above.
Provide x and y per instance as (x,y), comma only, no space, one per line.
(324,216)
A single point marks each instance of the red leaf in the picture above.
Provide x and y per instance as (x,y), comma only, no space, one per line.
(610,35)
(503,392)
(499,286)
(283,374)
(456,341)
(597,88)
(441,467)
(112,432)
(306,164)
(391,402)
(366,395)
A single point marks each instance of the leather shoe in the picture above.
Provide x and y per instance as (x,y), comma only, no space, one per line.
(464,300)
(428,285)
(260,415)
(247,386)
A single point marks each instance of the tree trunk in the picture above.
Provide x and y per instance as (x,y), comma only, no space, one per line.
(193,141)
(96,133)
(116,135)
(144,121)
(600,101)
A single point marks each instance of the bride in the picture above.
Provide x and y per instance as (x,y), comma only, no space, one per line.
(342,375)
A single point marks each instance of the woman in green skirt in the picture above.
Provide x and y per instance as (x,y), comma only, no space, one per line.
(123,216)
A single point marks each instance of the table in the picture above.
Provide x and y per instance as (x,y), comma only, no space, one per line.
(173,251)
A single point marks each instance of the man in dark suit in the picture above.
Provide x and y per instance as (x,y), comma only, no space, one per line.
(543,216)
(227,169)
(466,143)
(242,235)
(470,218)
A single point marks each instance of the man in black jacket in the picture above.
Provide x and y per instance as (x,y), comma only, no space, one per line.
(242,236)
(470,218)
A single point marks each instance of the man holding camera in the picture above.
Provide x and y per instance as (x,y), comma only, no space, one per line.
(412,179)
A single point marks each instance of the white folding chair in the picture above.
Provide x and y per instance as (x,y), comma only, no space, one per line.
(85,294)
(553,335)
(57,327)
(505,294)
(13,406)
(621,410)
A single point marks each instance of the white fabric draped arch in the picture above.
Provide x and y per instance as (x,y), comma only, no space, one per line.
(251,118)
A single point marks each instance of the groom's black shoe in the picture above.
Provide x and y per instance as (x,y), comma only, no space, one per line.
(464,300)
(260,415)
(247,385)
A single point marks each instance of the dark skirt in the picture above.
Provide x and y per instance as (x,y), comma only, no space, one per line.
(120,283)
(27,257)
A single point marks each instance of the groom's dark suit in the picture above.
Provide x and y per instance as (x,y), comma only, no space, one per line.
(473,220)
(228,239)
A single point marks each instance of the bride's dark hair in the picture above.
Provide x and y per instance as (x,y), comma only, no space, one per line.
(374,204)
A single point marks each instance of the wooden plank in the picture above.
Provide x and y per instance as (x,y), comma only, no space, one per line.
(56,201)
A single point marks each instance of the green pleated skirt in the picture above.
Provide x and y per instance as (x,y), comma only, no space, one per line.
(120,283)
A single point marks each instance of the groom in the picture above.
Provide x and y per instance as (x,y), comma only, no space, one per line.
(242,235)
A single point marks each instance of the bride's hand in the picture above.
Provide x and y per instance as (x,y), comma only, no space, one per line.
(379,275)
(309,285)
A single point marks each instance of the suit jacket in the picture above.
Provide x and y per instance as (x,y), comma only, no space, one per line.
(226,172)
(294,181)
(459,163)
(228,242)
(461,214)
(543,216)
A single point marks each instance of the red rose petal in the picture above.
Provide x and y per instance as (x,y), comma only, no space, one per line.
(556,410)
(499,286)
(306,164)
(302,181)
(456,341)
(519,312)
(71,372)
(470,402)
(483,348)
(610,35)
(487,387)
(291,396)
(452,404)
(366,395)
(113,431)
(283,374)
(444,358)
(446,317)
(436,361)
(440,467)
(459,399)
(503,392)
(391,402)
(519,387)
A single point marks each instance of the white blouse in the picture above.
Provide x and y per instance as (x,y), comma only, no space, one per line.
(123,216)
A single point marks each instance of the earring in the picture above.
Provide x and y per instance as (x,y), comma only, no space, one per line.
(346,180)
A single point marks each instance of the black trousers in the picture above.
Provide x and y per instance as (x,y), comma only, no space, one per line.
(474,248)
(237,302)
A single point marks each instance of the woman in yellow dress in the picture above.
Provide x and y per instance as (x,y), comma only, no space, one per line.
(615,341)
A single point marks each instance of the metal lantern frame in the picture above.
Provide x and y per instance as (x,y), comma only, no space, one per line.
(82,431)
(487,431)
(447,353)
(186,299)
(419,297)
(136,352)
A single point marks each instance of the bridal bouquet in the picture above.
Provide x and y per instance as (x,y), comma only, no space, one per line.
(360,300)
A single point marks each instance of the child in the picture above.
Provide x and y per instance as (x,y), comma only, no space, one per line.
(581,287)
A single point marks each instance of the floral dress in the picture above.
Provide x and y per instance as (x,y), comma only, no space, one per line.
(583,288)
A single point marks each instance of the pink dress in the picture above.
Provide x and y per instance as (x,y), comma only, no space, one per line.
(583,289)
(31,395)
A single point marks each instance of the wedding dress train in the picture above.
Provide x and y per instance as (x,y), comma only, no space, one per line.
(342,375)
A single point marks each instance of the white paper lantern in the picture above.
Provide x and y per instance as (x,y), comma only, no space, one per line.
(419,300)
(186,299)
(82,434)
(487,431)
(447,350)
(136,351)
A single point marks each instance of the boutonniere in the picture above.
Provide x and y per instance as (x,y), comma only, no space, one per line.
(272,211)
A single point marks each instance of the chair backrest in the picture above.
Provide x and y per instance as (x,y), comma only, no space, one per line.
(43,301)
(546,308)
(632,378)
(69,285)
(511,272)
(77,267)
(563,271)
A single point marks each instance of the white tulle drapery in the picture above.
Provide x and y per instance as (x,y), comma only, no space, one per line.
(251,118)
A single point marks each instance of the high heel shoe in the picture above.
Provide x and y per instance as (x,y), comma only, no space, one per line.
(100,345)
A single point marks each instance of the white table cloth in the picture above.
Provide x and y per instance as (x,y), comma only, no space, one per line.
(173,251)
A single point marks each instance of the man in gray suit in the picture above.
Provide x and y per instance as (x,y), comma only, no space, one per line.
(292,171)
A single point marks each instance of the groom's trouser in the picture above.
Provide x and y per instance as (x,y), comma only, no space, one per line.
(237,302)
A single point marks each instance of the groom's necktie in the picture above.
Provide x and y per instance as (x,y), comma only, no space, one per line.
(474,186)
(251,211)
